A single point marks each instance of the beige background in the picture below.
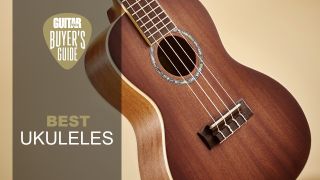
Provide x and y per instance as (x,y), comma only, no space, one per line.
(279,38)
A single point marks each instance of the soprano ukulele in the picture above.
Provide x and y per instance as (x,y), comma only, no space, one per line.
(196,112)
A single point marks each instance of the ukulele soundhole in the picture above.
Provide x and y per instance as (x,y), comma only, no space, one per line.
(176,56)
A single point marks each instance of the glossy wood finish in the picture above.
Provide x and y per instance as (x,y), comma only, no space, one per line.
(142,113)
(274,144)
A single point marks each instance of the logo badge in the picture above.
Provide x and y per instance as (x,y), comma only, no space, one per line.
(67,36)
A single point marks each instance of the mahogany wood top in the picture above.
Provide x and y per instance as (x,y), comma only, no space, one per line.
(273,144)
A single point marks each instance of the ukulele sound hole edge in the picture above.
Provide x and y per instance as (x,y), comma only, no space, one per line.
(189,70)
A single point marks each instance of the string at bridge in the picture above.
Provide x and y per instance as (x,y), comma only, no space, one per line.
(218,132)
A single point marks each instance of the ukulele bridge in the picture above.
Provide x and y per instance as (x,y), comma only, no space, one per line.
(217,132)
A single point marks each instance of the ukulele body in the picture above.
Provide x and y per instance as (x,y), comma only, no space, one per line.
(166,117)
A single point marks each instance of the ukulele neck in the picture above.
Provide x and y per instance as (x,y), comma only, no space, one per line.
(149,18)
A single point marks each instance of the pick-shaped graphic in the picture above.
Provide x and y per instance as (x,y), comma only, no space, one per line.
(67,36)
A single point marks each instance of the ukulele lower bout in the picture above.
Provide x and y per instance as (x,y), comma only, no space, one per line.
(177,58)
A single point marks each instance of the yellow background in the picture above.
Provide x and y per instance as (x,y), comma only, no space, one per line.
(278,38)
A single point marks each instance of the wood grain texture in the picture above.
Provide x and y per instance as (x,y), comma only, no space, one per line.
(274,144)
(124,97)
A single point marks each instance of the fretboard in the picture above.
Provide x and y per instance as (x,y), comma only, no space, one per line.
(149,17)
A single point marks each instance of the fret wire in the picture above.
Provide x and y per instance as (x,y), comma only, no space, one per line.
(155,40)
(128,1)
(141,17)
(134,13)
(152,9)
(124,4)
(158,30)
(166,17)
(141,8)
(165,25)
(153,18)
(125,1)
(145,23)
(145,15)
(132,4)
(147,4)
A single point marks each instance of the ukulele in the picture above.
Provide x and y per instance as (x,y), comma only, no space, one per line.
(196,112)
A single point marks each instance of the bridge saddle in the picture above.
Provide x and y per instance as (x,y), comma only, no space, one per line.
(226,125)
